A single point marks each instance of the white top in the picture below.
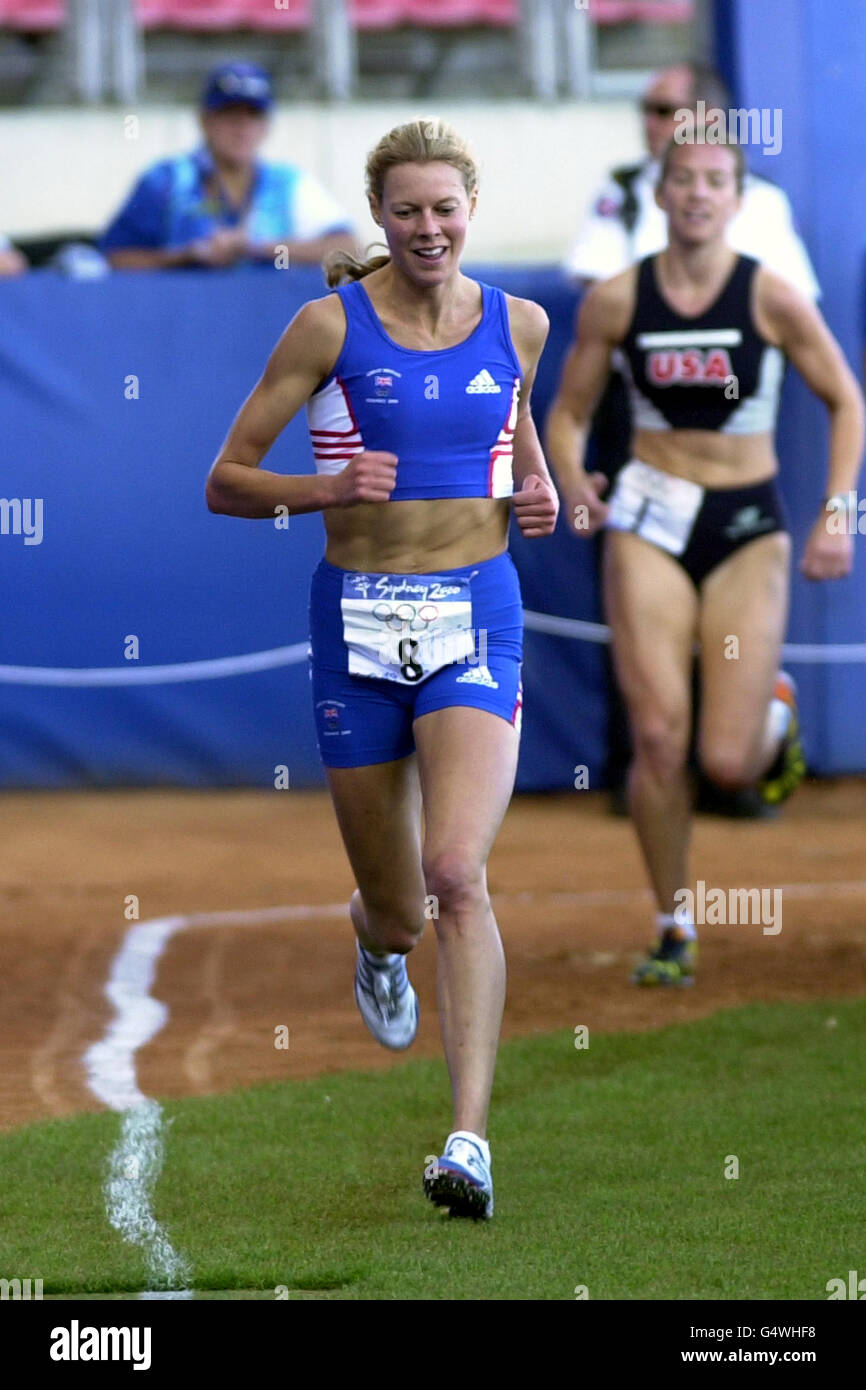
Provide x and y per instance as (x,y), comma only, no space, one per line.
(763,228)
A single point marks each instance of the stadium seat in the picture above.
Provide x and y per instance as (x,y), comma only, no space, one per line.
(642,11)
(36,15)
(443,14)
(213,15)
(188,14)
(32,15)
(149,13)
(376,14)
(266,17)
(431,14)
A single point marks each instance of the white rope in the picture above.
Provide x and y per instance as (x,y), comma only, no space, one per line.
(565,627)
(597,632)
(219,667)
(155,675)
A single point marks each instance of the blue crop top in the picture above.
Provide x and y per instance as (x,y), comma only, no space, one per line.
(448,414)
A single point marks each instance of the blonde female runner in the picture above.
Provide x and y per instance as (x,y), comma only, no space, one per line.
(416,381)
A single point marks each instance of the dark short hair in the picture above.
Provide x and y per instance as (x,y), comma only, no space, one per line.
(737,150)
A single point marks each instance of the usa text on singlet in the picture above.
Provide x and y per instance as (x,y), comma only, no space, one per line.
(711,371)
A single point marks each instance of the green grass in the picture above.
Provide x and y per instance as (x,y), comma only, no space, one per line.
(609,1169)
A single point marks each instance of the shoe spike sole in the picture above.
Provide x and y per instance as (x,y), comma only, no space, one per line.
(462,1199)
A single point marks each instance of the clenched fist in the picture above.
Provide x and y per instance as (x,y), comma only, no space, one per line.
(369,477)
(828,554)
(536,507)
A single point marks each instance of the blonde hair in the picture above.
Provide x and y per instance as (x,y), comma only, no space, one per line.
(425,141)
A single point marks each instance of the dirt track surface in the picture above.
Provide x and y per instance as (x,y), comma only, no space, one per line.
(567,886)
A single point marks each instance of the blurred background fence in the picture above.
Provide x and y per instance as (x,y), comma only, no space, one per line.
(344,49)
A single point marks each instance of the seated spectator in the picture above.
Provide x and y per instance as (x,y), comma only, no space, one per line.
(11,261)
(219,204)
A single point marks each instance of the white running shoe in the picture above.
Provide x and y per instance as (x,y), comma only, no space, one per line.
(388,1003)
(461,1179)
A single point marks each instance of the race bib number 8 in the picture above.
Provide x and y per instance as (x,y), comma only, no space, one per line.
(404,627)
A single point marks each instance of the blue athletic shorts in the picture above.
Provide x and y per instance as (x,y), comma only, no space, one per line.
(364,719)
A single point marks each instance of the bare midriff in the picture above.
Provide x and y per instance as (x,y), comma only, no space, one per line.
(707,456)
(416,537)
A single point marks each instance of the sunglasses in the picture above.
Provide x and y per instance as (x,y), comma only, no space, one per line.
(659,108)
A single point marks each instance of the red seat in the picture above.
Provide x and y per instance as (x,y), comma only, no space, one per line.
(188,14)
(221,14)
(430,14)
(643,11)
(263,15)
(376,14)
(149,13)
(32,15)
(443,14)
(501,11)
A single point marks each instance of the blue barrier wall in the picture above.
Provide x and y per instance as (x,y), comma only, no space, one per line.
(129,549)
(806,60)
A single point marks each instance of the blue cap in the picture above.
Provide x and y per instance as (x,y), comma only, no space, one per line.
(232,83)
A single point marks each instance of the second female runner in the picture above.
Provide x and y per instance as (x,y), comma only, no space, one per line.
(697,549)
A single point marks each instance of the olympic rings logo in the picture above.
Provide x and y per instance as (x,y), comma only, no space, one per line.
(406,617)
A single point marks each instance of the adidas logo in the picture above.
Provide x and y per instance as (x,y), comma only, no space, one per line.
(478,675)
(483,385)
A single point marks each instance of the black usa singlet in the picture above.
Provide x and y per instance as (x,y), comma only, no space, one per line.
(710,372)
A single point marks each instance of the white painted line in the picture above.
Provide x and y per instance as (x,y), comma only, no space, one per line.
(111,1063)
(258,916)
(136,1160)
(133,1172)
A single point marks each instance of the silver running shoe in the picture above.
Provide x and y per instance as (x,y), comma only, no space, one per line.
(388,1003)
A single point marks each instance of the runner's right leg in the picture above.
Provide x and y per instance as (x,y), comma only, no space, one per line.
(378,810)
(652,607)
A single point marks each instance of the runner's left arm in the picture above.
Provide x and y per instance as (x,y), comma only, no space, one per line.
(808,343)
(535,501)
